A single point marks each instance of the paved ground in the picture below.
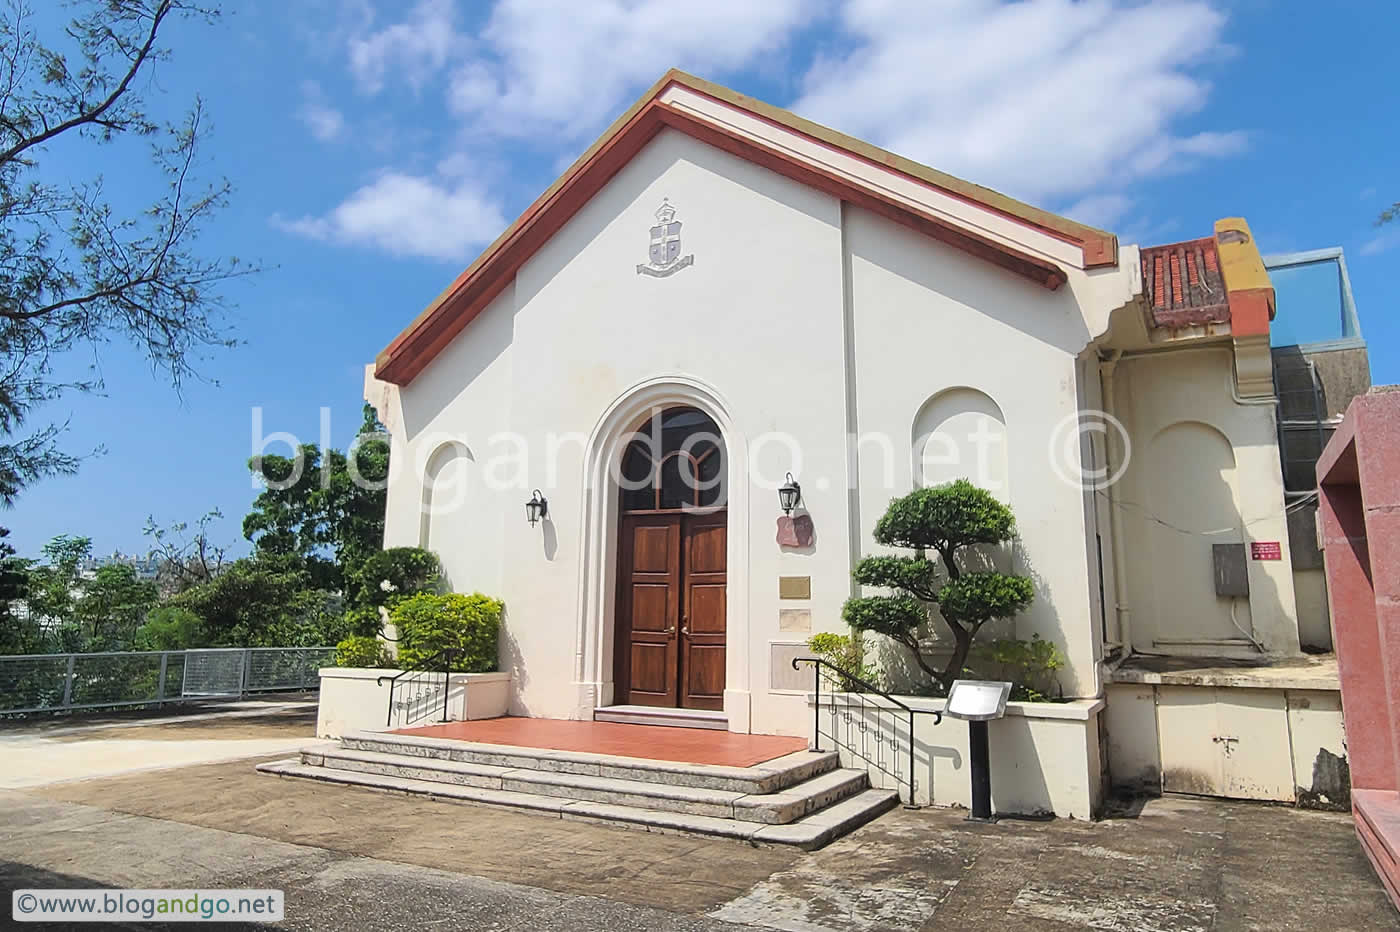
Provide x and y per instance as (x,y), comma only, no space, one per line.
(46,751)
(351,859)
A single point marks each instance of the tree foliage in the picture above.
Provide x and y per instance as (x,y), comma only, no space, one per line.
(113,604)
(187,557)
(75,272)
(948,520)
(264,603)
(324,507)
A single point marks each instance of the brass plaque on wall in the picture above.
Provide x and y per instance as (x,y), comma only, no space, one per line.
(794,587)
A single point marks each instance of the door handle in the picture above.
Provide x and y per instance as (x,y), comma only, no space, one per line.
(685,629)
(670,630)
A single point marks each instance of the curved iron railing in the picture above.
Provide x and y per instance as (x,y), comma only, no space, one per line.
(414,694)
(887,756)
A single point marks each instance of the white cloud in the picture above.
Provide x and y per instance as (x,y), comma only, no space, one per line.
(1056,101)
(1045,98)
(1381,242)
(416,48)
(408,215)
(1099,210)
(324,121)
(567,68)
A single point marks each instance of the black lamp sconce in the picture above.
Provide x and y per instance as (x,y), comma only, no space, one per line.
(536,508)
(789,495)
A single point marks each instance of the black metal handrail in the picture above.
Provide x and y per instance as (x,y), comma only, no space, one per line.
(844,679)
(421,678)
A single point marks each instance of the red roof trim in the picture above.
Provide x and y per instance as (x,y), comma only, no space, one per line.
(495,268)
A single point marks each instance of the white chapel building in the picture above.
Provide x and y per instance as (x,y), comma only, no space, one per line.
(767,299)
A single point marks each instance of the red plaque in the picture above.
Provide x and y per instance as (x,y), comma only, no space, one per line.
(1266,550)
(795,531)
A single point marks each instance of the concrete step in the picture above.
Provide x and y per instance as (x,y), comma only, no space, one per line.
(660,715)
(769,808)
(809,831)
(767,777)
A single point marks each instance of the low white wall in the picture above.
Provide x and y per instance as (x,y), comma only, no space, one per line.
(1238,742)
(354,699)
(1045,756)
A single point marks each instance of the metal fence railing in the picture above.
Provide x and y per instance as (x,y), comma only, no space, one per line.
(58,682)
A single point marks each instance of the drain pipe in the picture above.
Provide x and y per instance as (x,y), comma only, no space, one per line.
(1115,514)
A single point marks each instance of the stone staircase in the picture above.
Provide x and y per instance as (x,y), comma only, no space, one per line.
(803,799)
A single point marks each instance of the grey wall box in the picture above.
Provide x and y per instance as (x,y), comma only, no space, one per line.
(1231,570)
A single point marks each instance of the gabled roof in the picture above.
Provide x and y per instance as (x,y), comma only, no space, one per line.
(494,269)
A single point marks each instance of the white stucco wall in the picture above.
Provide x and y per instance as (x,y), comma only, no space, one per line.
(1239,742)
(1045,757)
(1204,470)
(799,319)
(927,319)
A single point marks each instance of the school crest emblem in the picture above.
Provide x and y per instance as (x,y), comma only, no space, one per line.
(664,251)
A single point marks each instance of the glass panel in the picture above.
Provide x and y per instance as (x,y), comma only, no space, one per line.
(692,463)
(677,482)
(638,492)
(1311,305)
(710,459)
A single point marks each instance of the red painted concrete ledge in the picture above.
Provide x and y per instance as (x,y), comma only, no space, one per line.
(651,742)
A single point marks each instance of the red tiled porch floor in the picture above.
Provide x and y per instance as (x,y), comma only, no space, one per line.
(653,742)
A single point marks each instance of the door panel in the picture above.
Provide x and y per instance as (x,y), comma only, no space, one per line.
(671,610)
(702,640)
(648,610)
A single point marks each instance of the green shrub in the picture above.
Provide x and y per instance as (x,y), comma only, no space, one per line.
(428,624)
(1028,665)
(361,651)
(942,525)
(363,621)
(846,653)
(389,576)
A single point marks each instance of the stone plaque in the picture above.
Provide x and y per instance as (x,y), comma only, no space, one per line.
(794,619)
(794,587)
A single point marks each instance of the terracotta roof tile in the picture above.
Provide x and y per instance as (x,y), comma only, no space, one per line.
(1184,284)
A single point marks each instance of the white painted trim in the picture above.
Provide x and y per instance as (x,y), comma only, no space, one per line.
(598,542)
(1076,710)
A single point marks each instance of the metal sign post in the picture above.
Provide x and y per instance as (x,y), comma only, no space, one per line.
(978,702)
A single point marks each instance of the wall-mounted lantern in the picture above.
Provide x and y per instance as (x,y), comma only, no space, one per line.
(789,495)
(536,508)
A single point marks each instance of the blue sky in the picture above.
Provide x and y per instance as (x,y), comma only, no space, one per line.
(376,148)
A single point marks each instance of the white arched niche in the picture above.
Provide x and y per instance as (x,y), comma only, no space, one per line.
(448,490)
(960,433)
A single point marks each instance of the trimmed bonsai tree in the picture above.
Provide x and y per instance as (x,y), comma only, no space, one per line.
(939,524)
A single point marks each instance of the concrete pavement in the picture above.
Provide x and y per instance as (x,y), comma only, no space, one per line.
(351,858)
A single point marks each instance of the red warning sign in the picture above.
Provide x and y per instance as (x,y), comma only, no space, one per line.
(1266,550)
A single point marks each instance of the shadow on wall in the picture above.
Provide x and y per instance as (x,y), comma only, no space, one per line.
(511,661)
(549,538)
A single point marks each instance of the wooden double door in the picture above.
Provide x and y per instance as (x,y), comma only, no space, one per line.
(670,633)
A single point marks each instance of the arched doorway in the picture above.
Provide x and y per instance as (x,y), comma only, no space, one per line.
(670,628)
